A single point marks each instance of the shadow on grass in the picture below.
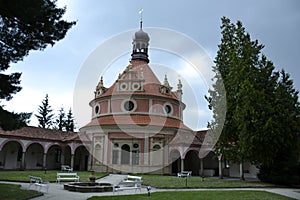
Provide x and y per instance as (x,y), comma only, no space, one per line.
(14,192)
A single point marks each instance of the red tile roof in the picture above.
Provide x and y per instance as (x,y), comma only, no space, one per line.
(139,120)
(31,132)
(151,84)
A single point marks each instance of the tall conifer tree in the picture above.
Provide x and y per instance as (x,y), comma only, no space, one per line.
(70,123)
(60,121)
(45,114)
(262,116)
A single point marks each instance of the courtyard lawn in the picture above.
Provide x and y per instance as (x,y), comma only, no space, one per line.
(198,195)
(13,192)
(157,181)
(160,181)
(23,176)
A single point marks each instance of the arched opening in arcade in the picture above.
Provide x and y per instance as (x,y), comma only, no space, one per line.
(11,155)
(34,156)
(81,159)
(67,156)
(176,161)
(211,164)
(192,162)
(54,155)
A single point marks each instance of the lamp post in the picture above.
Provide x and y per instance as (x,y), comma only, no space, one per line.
(148,190)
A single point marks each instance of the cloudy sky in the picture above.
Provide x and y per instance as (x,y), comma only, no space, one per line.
(54,71)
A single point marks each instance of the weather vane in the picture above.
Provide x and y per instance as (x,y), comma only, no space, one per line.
(141,15)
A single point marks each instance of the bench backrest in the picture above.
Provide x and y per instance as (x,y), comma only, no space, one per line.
(138,178)
(64,167)
(66,174)
(35,179)
(136,183)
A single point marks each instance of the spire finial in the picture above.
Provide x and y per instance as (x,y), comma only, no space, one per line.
(101,80)
(166,82)
(179,85)
(141,17)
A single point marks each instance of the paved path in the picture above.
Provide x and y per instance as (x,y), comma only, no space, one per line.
(114,179)
(56,191)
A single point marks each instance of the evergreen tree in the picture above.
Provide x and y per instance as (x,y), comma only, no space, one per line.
(70,124)
(262,105)
(45,114)
(237,53)
(61,120)
(284,132)
(25,25)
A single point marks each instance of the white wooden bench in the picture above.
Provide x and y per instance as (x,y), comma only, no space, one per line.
(67,177)
(38,183)
(130,183)
(66,168)
(184,174)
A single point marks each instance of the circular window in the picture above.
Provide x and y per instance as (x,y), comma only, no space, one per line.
(128,105)
(135,145)
(123,86)
(97,109)
(135,86)
(116,145)
(168,109)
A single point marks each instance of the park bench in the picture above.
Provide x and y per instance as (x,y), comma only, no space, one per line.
(38,183)
(184,174)
(67,177)
(66,168)
(130,183)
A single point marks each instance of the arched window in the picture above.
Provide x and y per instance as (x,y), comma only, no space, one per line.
(135,157)
(156,147)
(125,154)
(98,152)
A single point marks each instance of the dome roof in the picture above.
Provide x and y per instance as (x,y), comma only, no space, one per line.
(141,35)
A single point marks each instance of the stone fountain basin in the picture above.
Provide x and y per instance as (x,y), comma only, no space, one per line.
(88,187)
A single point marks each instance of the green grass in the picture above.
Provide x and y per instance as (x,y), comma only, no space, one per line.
(13,192)
(23,176)
(159,181)
(198,195)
